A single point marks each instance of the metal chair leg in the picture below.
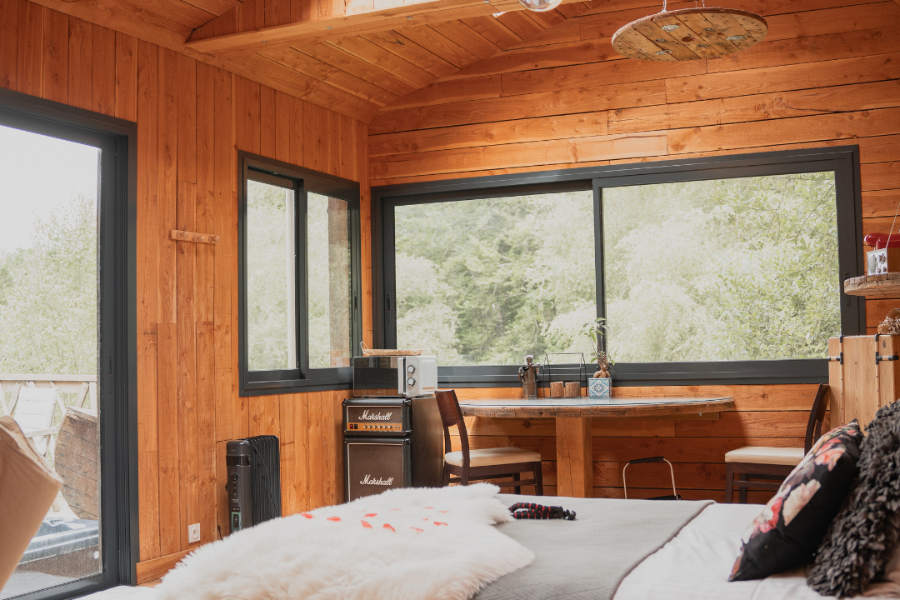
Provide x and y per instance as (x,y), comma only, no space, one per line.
(729,484)
(538,479)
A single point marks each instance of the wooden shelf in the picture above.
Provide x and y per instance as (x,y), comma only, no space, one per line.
(874,286)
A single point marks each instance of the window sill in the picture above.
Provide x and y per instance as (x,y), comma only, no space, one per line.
(764,372)
(332,379)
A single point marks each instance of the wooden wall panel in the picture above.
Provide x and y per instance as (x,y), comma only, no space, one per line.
(826,75)
(191,120)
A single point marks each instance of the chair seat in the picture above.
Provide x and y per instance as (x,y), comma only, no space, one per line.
(766,456)
(493,456)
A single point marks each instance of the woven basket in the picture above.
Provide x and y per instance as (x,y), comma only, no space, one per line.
(373,352)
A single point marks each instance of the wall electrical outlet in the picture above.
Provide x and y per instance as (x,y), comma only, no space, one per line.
(193,533)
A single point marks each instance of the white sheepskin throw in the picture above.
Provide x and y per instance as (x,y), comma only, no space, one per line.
(404,544)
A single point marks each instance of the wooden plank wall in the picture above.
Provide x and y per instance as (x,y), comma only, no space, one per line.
(827,75)
(192,118)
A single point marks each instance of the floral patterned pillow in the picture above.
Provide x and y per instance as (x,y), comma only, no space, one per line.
(790,527)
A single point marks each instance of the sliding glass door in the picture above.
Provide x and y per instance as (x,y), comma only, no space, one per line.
(62,300)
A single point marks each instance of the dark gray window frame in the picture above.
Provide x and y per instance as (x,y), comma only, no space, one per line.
(843,161)
(302,181)
(117,369)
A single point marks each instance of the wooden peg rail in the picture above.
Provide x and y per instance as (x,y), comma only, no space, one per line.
(190,236)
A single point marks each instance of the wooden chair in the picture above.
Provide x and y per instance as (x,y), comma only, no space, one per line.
(772,463)
(490,463)
(34,410)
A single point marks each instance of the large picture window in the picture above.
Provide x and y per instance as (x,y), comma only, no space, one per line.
(299,277)
(721,269)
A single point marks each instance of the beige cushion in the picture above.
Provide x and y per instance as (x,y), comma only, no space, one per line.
(28,487)
(766,456)
(493,456)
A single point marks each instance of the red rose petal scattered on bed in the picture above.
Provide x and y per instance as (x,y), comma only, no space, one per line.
(335,519)
(424,519)
(372,515)
(393,509)
(417,529)
(428,507)
(366,525)
(386,526)
(439,523)
(444,512)
(307,515)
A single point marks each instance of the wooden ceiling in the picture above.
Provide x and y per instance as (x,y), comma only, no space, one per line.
(351,56)
(359,57)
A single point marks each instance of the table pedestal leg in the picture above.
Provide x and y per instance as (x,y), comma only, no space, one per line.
(574,468)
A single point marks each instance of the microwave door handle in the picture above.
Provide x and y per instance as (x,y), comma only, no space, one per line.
(401,376)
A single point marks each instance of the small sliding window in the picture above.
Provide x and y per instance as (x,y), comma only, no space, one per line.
(299,277)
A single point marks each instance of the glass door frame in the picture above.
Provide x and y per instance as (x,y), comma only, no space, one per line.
(117,368)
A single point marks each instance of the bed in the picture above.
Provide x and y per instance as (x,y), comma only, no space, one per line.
(585,559)
(693,565)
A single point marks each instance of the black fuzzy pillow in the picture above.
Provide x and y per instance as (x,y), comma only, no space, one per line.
(791,526)
(860,540)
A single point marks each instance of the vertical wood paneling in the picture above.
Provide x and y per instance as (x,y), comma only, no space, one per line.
(9,38)
(81,66)
(247,114)
(283,107)
(206,429)
(186,254)
(103,76)
(296,129)
(310,137)
(267,121)
(187,122)
(191,118)
(170,525)
(56,56)
(126,77)
(333,127)
(224,286)
(167,173)
(148,458)
(316,450)
(30,38)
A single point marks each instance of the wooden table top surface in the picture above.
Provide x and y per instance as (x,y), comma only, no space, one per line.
(512,408)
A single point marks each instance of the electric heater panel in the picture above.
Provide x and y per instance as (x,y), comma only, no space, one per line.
(254,481)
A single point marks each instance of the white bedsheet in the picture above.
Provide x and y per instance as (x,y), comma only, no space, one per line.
(695,565)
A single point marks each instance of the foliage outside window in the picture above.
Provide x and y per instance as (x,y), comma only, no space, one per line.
(732,269)
(710,265)
(487,281)
(299,237)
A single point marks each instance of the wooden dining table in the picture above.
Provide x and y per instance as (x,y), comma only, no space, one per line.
(574,445)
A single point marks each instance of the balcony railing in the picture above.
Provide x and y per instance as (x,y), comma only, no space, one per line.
(75,390)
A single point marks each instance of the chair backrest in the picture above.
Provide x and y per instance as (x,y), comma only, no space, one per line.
(34,412)
(448,405)
(816,417)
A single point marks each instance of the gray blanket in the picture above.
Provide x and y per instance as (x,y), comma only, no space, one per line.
(588,558)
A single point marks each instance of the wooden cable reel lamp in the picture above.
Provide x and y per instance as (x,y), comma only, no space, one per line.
(690,34)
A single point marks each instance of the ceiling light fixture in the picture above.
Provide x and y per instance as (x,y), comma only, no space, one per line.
(540,5)
(690,34)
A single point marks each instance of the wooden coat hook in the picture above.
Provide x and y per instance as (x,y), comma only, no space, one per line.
(190,236)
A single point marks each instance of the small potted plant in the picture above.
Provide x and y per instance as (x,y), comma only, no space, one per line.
(600,385)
